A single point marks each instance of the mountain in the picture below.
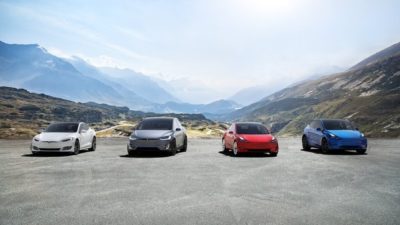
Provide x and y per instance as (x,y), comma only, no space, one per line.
(126,80)
(368,94)
(33,68)
(23,113)
(386,53)
(250,95)
(213,108)
(142,85)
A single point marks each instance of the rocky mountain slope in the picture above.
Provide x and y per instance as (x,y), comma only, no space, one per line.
(367,94)
(23,113)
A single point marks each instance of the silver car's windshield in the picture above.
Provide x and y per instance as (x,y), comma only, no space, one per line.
(62,127)
(155,124)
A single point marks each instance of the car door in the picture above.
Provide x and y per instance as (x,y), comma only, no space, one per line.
(179,134)
(317,133)
(311,132)
(85,135)
(229,137)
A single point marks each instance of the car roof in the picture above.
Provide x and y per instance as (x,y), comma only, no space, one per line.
(333,120)
(159,117)
(65,122)
(249,123)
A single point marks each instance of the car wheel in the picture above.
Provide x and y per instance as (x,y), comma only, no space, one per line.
(76,147)
(235,149)
(184,147)
(224,149)
(273,154)
(131,153)
(172,148)
(324,146)
(93,148)
(361,151)
(304,140)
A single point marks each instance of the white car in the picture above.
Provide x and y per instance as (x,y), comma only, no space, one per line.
(65,137)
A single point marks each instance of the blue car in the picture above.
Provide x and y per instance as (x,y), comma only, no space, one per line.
(328,134)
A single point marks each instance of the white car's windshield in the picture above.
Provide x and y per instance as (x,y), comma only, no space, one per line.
(62,127)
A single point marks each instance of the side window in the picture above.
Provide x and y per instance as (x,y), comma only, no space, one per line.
(318,124)
(179,124)
(233,128)
(83,127)
(315,124)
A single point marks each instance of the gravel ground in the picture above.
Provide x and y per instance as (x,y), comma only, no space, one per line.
(200,186)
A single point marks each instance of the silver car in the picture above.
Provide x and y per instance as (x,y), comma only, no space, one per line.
(158,134)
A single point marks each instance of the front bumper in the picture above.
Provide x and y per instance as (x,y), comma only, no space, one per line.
(148,145)
(52,146)
(258,147)
(350,144)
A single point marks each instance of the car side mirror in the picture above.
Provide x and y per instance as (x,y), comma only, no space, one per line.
(178,129)
(357,128)
(230,132)
(319,129)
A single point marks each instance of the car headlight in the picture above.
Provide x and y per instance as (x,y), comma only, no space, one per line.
(132,137)
(66,139)
(362,135)
(36,139)
(332,135)
(274,139)
(242,138)
(166,137)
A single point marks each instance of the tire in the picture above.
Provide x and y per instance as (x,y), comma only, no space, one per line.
(93,148)
(273,154)
(172,148)
(235,151)
(324,146)
(184,147)
(77,147)
(306,146)
(131,153)
(224,149)
(361,151)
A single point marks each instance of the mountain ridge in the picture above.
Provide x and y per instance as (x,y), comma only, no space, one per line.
(32,67)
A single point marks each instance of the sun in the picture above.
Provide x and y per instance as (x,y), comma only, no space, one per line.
(266,7)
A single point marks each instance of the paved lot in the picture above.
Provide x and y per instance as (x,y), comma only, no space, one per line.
(201,186)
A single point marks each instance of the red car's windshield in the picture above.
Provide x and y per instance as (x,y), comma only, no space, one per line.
(251,129)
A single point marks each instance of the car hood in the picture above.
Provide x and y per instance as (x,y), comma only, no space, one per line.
(257,137)
(346,133)
(152,134)
(54,136)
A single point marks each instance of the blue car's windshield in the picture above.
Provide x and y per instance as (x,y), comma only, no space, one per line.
(337,125)
(155,124)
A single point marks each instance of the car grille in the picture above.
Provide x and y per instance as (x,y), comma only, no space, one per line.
(50,149)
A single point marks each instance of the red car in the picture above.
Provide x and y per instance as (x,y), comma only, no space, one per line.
(249,137)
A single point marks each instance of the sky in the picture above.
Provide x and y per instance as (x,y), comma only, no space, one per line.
(218,46)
